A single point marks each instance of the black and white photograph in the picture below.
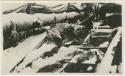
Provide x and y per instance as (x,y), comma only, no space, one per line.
(61,37)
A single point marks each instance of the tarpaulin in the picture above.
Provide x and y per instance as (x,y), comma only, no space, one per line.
(24,21)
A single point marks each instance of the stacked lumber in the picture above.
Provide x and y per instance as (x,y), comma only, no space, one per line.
(44,59)
(40,63)
(67,44)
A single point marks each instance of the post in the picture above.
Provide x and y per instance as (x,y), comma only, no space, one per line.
(105,65)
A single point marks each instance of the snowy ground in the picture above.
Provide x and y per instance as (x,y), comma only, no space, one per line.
(12,55)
